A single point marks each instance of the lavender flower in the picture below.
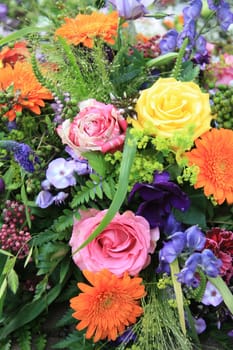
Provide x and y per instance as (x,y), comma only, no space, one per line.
(3,12)
(60,173)
(211,295)
(200,325)
(44,199)
(195,238)
(158,199)
(186,276)
(168,42)
(210,264)
(192,11)
(130,9)
(23,154)
(224,16)
(2,185)
(60,197)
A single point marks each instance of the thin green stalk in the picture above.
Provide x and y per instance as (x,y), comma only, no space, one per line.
(178,65)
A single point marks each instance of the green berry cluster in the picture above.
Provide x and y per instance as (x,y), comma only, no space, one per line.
(223,106)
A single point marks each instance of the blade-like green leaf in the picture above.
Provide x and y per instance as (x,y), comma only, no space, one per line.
(127,160)
(21,33)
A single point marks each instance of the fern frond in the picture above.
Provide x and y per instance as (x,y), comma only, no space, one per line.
(24,338)
(93,190)
(73,64)
(44,237)
(66,319)
(75,340)
(40,342)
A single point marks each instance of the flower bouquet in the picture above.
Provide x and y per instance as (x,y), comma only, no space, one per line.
(116,174)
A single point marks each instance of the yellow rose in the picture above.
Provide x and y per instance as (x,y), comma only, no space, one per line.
(171,106)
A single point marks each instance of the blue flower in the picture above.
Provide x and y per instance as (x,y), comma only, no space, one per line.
(168,42)
(192,11)
(195,238)
(23,154)
(210,263)
(224,16)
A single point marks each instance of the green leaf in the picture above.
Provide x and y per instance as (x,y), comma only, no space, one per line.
(5,252)
(3,287)
(127,160)
(97,162)
(21,33)
(13,281)
(189,71)
(30,311)
(161,60)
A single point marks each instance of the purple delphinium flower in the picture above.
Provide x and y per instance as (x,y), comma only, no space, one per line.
(211,295)
(168,42)
(200,325)
(187,276)
(60,173)
(130,9)
(44,199)
(195,238)
(2,185)
(158,199)
(206,260)
(210,263)
(200,45)
(3,12)
(224,16)
(126,337)
(189,31)
(23,154)
(172,225)
(11,125)
(192,11)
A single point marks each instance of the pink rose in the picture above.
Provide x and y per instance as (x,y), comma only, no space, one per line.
(97,127)
(124,245)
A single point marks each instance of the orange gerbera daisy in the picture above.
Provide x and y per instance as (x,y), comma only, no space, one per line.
(12,54)
(214,157)
(83,29)
(28,92)
(109,306)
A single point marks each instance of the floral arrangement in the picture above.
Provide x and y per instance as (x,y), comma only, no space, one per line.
(116,175)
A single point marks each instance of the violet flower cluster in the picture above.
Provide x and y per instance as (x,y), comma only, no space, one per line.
(223,12)
(23,154)
(191,243)
(173,40)
(60,174)
(158,198)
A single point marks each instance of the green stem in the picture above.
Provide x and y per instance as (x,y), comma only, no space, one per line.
(178,65)
(174,266)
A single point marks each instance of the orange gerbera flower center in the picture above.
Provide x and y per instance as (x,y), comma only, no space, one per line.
(213,155)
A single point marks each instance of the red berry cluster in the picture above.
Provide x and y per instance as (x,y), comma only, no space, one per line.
(149,46)
(14,235)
